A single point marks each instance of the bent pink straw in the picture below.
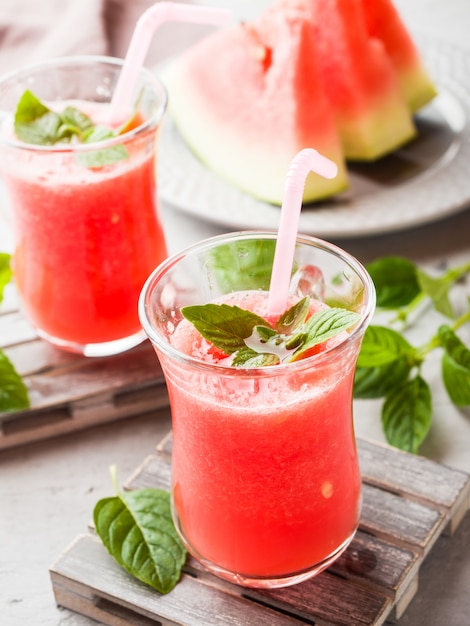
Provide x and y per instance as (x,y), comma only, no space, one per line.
(144,30)
(305,161)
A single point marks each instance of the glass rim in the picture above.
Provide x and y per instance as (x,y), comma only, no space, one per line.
(206,244)
(86,59)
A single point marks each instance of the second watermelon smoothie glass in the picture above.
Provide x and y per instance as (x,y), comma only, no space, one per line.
(87,235)
(266,488)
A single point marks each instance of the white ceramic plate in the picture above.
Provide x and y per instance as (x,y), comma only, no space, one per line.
(427,180)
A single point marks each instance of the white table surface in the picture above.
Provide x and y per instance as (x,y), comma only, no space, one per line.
(48,489)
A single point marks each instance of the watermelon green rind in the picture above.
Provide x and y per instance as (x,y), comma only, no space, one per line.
(250,135)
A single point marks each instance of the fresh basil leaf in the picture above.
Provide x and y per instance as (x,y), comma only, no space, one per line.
(377,382)
(137,529)
(5,272)
(456,380)
(74,122)
(438,290)
(407,414)
(324,325)
(396,281)
(246,357)
(382,345)
(13,392)
(266,334)
(455,366)
(225,326)
(294,317)
(100,158)
(35,123)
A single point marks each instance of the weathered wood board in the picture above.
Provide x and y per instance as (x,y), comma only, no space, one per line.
(409,502)
(69,392)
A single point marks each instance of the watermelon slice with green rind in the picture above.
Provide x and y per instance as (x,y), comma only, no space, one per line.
(385,23)
(372,116)
(248,98)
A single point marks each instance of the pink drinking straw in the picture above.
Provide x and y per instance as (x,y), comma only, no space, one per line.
(144,30)
(305,161)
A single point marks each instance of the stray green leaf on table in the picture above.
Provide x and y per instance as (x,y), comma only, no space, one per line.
(389,366)
(137,529)
(13,392)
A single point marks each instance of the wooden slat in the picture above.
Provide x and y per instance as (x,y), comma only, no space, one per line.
(416,477)
(373,581)
(88,577)
(69,392)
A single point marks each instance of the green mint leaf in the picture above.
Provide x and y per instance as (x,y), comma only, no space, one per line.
(438,290)
(246,357)
(104,156)
(13,392)
(407,414)
(377,382)
(74,122)
(396,281)
(455,366)
(137,529)
(294,317)
(34,122)
(100,158)
(382,345)
(225,326)
(5,272)
(324,325)
(456,380)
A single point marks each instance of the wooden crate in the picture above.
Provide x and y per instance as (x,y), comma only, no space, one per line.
(409,502)
(69,392)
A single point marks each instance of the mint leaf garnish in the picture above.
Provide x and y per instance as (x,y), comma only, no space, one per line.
(294,317)
(323,326)
(36,124)
(225,326)
(14,394)
(137,529)
(254,342)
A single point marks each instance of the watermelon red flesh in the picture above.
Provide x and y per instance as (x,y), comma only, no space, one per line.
(384,22)
(247,98)
(359,78)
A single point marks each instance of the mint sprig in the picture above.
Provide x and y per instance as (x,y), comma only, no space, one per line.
(253,342)
(137,529)
(36,124)
(14,394)
(390,367)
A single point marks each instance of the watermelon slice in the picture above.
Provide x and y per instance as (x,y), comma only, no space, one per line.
(247,98)
(360,80)
(384,22)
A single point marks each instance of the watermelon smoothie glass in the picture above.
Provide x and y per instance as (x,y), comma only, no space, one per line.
(266,489)
(86,236)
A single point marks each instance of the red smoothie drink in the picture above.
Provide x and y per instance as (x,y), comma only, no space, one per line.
(87,229)
(266,482)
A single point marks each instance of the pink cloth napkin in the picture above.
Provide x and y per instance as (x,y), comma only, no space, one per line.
(33,30)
